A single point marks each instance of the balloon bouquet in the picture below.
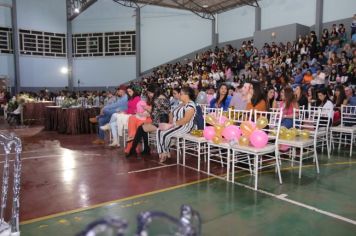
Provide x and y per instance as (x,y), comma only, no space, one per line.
(248,132)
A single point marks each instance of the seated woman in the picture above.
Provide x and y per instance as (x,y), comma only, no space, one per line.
(256,99)
(120,119)
(159,108)
(339,99)
(326,104)
(300,97)
(222,99)
(181,122)
(287,104)
(135,121)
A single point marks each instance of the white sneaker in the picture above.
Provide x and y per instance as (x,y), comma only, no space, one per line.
(114,144)
(105,127)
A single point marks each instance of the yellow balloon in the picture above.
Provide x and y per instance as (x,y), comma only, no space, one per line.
(261,122)
(218,129)
(294,131)
(244,141)
(217,139)
(247,128)
(288,135)
(228,122)
(210,119)
(273,132)
(226,114)
(283,130)
(305,134)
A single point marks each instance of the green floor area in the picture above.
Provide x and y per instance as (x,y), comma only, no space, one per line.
(228,209)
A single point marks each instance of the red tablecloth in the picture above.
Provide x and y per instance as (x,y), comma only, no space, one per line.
(70,120)
(34,112)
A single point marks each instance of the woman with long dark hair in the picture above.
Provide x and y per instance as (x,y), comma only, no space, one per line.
(181,122)
(159,108)
(339,99)
(300,97)
(222,99)
(256,98)
(287,104)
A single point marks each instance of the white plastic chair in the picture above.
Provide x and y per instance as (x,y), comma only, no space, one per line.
(346,129)
(215,150)
(304,120)
(196,146)
(265,157)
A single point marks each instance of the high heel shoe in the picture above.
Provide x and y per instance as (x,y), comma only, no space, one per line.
(132,153)
(146,151)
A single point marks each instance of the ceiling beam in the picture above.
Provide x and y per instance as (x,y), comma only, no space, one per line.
(204,14)
(83,5)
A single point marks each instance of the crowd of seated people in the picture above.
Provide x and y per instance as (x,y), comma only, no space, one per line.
(286,76)
(310,71)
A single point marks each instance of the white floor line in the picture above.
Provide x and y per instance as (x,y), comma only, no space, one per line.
(283,197)
(152,168)
(50,156)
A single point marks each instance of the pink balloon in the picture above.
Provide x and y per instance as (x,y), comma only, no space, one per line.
(209,132)
(259,139)
(222,120)
(231,132)
(283,147)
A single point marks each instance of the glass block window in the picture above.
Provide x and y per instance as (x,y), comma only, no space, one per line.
(38,43)
(104,44)
(6,40)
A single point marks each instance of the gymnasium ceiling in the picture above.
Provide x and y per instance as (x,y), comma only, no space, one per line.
(203,8)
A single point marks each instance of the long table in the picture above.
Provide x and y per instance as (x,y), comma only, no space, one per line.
(70,120)
(34,112)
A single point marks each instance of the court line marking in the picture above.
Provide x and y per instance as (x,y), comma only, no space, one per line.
(113,201)
(152,168)
(50,156)
(283,197)
(164,190)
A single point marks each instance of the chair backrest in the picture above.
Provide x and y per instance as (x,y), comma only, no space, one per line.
(307,120)
(274,124)
(348,115)
(217,111)
(325,116)
(238,116)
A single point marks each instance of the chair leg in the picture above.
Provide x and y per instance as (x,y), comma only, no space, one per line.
(199,156)
(221,159)
(256,171)
(278,167)
(340,138)
(351,143)
(228,166)
(316,161)
(300,162)
(208,159)
(233,167)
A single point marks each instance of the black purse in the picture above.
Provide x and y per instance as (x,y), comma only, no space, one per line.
(164,118)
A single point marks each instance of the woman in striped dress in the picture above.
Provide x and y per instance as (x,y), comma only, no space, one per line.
(181,122)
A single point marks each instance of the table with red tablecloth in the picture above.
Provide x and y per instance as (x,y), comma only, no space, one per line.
(70,120)
(34,112)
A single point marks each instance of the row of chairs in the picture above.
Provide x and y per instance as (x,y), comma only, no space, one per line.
(315,120)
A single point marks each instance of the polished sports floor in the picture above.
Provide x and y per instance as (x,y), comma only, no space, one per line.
(67,183)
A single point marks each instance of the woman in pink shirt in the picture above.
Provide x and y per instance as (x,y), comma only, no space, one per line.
(287,104)
(120,120)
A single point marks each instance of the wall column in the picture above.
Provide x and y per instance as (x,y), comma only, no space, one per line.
(16,44)
(138,42)
(69,49)
(319,17)
(257,18)
(214,32)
